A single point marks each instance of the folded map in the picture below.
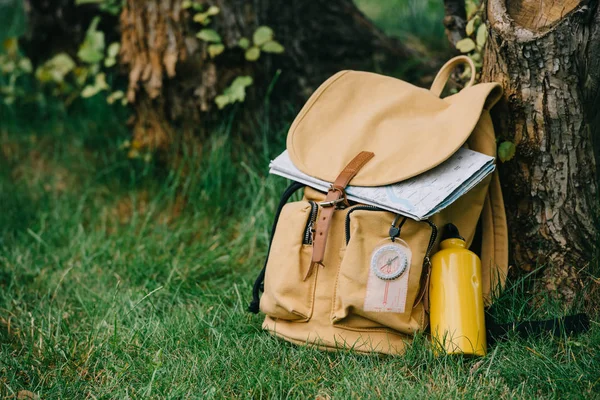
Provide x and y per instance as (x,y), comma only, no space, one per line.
(419,197)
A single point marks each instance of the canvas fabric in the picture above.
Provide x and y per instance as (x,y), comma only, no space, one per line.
(410,130)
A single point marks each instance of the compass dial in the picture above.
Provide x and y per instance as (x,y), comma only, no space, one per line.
(389,261)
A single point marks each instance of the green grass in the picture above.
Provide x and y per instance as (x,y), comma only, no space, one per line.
(119,279)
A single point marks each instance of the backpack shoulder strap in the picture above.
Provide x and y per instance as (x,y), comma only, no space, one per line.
(494,243)
(570,325)
(254,306)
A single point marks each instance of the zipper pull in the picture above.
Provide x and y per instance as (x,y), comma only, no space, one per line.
(310,231)
(395,230)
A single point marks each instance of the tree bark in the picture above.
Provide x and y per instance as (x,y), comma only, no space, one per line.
(546,55)
(173,81)
(455,20)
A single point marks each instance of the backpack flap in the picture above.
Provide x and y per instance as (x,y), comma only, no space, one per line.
(410,129)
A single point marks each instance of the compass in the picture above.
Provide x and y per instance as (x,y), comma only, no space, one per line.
(390,261)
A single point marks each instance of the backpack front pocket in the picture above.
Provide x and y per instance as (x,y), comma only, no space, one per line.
(379,281)
(289,293)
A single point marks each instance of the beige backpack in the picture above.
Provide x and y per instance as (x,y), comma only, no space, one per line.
(366,129)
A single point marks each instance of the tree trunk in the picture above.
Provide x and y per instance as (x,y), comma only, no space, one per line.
(546,55)
(173,81)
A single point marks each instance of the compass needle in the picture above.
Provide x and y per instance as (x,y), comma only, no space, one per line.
(385,262)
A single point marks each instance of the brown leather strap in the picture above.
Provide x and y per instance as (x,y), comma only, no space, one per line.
(424,289)
(335,196)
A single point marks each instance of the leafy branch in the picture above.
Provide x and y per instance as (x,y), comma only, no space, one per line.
(263,40)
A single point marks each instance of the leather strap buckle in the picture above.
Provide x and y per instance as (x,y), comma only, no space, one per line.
(339,203)
(332,203)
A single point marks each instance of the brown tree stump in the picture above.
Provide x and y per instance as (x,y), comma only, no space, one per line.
(546,55)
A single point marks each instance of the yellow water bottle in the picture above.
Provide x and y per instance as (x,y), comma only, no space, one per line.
(457,318)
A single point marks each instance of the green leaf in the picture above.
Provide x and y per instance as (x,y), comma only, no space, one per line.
(476,57)
(25,65)
(262,35)
(244,43)
(252,54)
(111,54)
(197,6)
(506,151)
(470,28)
(213,10)
(215,49)
(100,81)
(186,4)
(55,69)
(209,35)
(465,45)
(471,7)
(472,24)
(239,85)
(89,91)
(91,50)
(482,34)
(114,96)
(97,87)
(273,47)
(236,92)
(112,6)
(221,101)
(202,18)
(113,49)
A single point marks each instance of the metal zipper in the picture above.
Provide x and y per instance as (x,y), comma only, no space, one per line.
(426,269)
(357,208)
(310,223)
(432,238)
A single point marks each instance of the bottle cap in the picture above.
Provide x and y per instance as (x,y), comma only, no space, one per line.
(450,231)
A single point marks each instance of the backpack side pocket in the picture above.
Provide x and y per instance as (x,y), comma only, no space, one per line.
(358,290)
(288,295)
